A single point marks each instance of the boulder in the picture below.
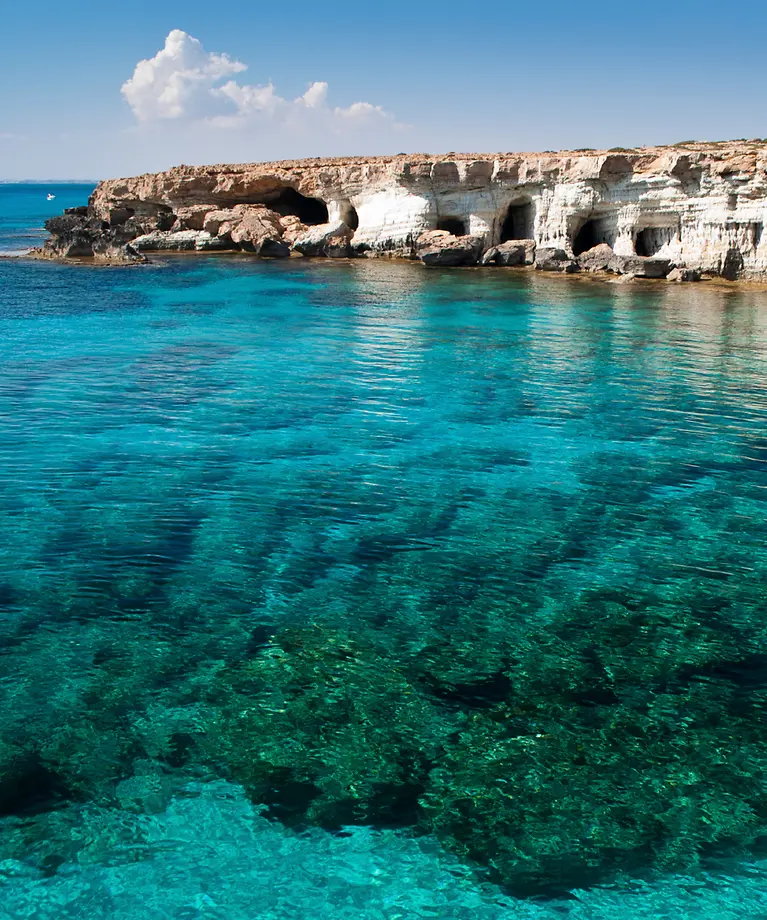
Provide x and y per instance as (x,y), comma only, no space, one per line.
(252,227)
(512,252)
(292,228)
(192,217)
(439,247)
(640,266)
(596,259)
(257,230)
(683,275)
(551,259)
(214,219)
(325,240)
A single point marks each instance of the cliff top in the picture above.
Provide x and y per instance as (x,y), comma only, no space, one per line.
(706,150)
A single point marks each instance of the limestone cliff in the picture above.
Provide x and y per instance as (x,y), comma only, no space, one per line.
(695,207)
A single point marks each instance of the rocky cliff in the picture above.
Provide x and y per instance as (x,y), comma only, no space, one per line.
(684,210)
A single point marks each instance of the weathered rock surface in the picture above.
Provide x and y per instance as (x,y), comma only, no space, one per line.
(596,259)
(639,266)
(292,228)
(438,247)
(74,235)
(331,240)
(683,275)
(512,252)
(255,228)
(178,241)
(699,206)
(192,218)
(551,259)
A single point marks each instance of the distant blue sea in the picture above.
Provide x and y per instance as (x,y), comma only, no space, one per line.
(25,207)
(360,591)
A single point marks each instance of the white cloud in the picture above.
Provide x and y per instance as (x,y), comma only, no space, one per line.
(316,96)
(179,81)
(360,111)
(185,82)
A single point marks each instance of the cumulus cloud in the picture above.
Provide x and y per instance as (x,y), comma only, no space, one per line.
(185,82)
(179,81)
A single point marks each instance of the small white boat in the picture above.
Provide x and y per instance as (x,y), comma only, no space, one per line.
(50,197)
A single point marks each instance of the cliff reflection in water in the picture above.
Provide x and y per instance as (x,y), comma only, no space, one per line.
(474,559)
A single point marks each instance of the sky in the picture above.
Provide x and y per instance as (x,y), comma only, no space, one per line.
(97,90)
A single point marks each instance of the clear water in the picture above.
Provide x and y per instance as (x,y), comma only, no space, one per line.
(199,455)
(24,208)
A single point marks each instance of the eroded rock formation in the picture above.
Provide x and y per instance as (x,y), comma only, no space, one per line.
(697,207)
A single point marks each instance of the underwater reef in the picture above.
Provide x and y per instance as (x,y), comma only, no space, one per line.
(554,745)
(479,562)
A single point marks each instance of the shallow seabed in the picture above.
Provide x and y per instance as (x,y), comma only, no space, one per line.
(360,590)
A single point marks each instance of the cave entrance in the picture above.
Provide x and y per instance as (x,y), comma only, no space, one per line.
(349,215)
(453,225)
(651,240)
(587,238)
(518,223)
(308,210)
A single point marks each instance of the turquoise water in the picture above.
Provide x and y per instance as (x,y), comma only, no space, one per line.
(24,209)
(358,590)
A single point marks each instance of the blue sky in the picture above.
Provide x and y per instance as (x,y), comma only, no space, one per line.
(431,77)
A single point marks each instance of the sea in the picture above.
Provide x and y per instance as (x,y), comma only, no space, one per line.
(354,589)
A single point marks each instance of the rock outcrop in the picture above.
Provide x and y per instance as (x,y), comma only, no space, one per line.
(596,259)
(512,252)
(696,207)
(551,259)
(440,247)
(329,240)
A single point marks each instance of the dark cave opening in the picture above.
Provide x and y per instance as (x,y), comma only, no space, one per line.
(453,225)
(518,223)
(651,240)
(349,215)
(641,246)
(307,210)
(586,238)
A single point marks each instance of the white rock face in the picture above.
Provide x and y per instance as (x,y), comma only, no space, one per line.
(176,241)
(326,239)
(701,206)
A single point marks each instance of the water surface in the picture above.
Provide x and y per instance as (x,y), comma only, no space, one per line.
(308,570)
(24,208)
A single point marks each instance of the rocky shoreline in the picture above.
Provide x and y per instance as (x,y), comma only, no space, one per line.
(683,213)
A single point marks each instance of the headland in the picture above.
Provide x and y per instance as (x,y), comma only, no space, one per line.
(683,212)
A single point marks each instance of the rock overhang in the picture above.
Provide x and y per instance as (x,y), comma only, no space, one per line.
(710,199)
